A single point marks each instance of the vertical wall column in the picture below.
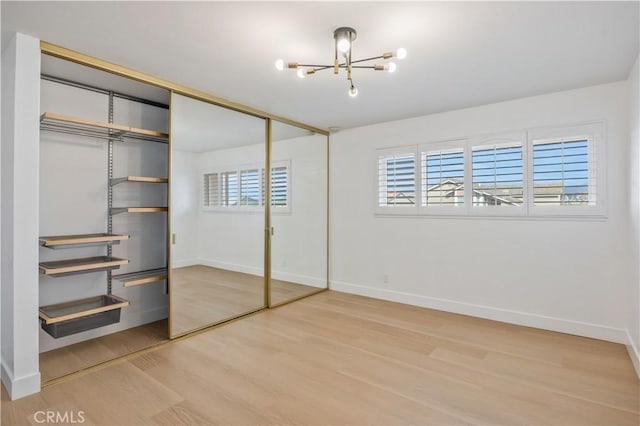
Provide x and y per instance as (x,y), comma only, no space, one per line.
(20,159)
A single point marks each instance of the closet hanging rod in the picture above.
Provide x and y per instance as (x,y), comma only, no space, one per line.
(102,91)
(142,277)
(66,124)
(79,133)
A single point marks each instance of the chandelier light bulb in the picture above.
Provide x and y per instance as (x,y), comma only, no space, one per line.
(343,45)
(401,53)
(301,72)
(391,67)
(353,91)
(279,64)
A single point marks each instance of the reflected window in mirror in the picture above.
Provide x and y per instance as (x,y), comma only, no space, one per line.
(243,187)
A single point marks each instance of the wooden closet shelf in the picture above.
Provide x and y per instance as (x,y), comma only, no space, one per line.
(57,241)
(76,266)
(97,129)
(146,179)
(118,210)
(142,277)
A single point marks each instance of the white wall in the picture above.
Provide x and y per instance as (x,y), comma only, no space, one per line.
(563,275)
(299,243)
(234,239)
(230,239)
(634,234)
(20,108)
(185,200)
(73,200)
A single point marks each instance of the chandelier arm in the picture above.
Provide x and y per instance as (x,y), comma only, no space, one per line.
(344,65)
(368,59)
(315,66)
(348,63)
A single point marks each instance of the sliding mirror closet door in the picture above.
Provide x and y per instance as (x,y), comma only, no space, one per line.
(299,189)
(217,214)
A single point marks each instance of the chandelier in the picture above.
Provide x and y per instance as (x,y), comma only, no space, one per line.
(342,60)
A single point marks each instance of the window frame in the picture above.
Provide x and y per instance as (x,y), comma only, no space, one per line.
(494,140)
(397,209)
(279,209)
(239,207)
(450,145)
(593,131)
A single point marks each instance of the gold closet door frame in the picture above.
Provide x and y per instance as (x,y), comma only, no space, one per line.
(268,230)
(90,61)
(176,88)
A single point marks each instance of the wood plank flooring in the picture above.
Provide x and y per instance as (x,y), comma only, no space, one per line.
(341,359)
(76,357)
(202,295)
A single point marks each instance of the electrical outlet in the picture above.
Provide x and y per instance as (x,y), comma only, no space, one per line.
(385,279)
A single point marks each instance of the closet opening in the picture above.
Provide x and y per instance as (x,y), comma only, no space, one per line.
(103,290)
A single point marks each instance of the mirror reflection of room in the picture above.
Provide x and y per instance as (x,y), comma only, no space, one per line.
(217,216)
(298,212)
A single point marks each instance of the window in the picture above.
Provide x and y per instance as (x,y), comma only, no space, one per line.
(279,186)
(442,177)
(561,173)
(211,191)
(250,187)
(244,188)
(229,189)
(397,178)
(541,172)
(567,172)
(497,175)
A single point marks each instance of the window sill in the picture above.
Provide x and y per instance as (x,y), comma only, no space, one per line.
(561,218)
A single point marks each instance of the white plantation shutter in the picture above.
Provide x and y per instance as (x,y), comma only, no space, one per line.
(279,186)
(244,188)
(442,177)
(211,195)
(397,177)
(497,174)
(567,173)
(563,173)
(229,189)
(544,172)
(250,187)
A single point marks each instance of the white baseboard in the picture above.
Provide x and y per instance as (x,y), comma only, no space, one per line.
(184,262)
(21,386)
(562,325)
(278,275)
(299,279)
(236,267)
(634,353)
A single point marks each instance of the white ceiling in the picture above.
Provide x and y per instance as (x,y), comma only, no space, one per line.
(461,54)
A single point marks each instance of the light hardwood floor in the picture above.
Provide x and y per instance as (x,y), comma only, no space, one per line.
(202,295)
(342,359)
(76,357)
